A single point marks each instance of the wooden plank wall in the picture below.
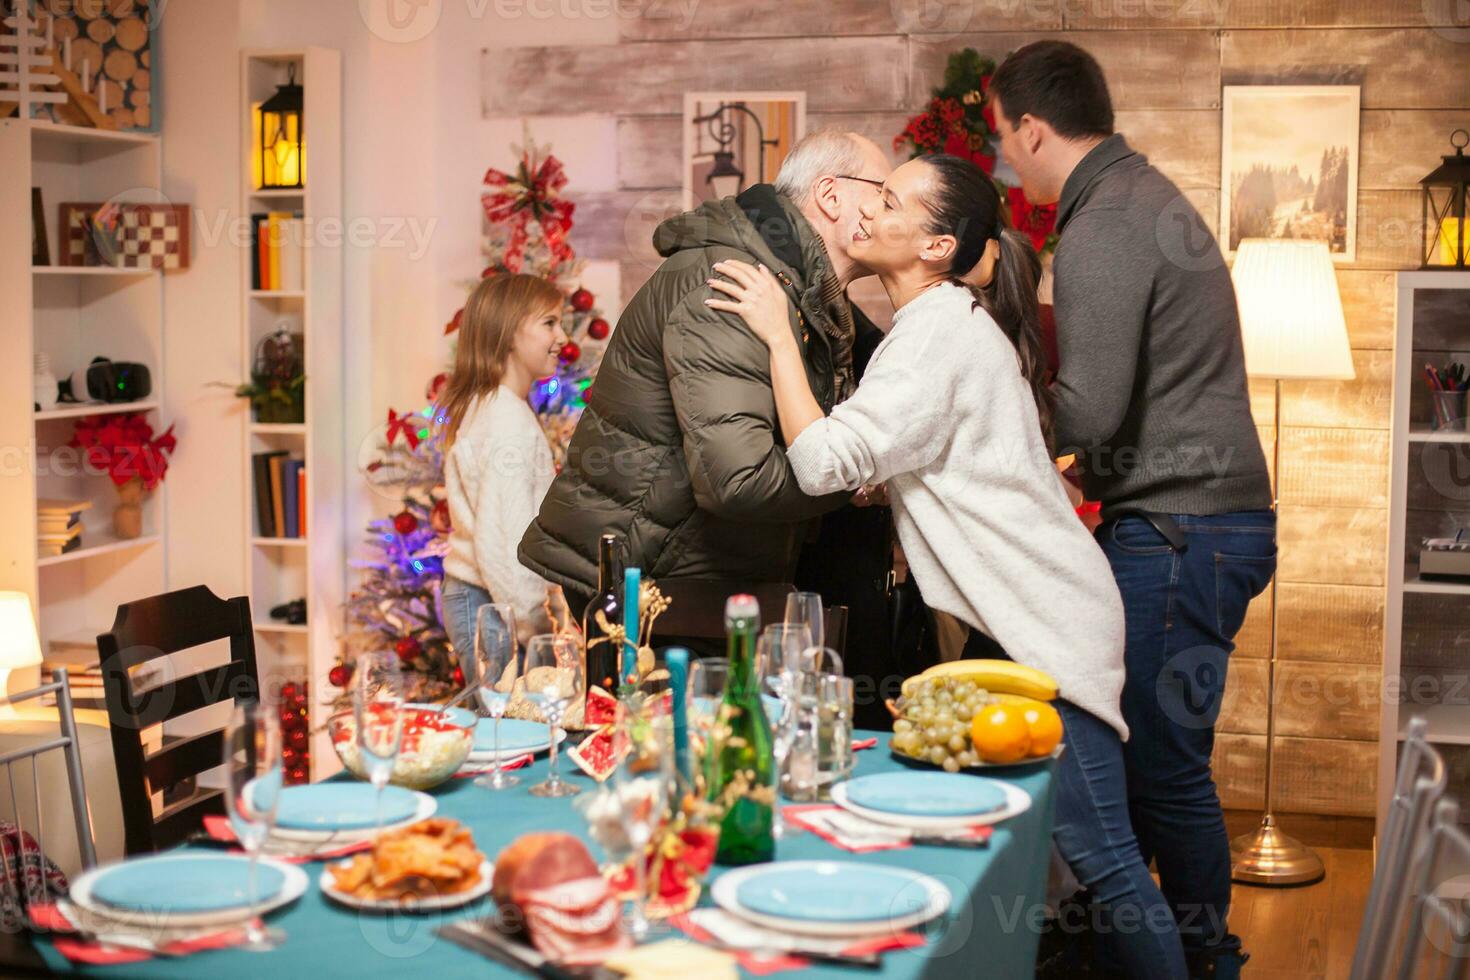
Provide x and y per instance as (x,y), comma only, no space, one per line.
(866,64)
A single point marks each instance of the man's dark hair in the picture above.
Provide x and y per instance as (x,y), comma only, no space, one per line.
(1058,83)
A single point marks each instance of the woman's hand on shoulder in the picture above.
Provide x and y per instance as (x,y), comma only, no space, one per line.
(756,296)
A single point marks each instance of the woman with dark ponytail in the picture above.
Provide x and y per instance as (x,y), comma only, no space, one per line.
(953,414)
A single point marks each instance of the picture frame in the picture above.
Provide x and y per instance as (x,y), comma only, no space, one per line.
(40,246)
(758,130)
(1289,165)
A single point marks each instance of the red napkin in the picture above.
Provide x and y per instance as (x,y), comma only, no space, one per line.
(518,762)
(49,918)
(797,815)
(763,965)
(858,744)
(217,825)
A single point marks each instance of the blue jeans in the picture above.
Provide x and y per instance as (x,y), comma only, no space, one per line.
(461,602)
(1183,610)
(1133,922)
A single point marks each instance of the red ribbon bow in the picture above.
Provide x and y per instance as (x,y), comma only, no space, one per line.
(407,424)
(533,193)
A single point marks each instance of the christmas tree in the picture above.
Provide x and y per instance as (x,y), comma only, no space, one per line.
(397,603)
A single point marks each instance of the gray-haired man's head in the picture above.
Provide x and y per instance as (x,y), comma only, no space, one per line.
(828,175)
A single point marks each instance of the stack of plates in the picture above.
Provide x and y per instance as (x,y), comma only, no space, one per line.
(931,801)
(831,898)
(185,889)
(517,737)
(344,813)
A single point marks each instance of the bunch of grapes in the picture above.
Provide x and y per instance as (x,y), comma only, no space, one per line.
(934,724)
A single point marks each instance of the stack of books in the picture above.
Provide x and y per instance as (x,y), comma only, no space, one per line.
(59,525)
(280,495)
(278,252)
(83,671)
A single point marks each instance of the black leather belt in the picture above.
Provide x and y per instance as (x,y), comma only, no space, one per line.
(1164,524)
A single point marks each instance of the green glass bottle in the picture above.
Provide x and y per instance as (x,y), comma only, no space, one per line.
(743,777)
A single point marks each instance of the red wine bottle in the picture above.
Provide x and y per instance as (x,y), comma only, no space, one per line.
(603,612)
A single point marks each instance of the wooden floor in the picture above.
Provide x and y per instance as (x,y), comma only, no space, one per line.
(1305,933)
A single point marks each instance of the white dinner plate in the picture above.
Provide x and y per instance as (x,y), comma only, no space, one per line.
(1018,801)
(480,758)
(934,899)
(293,886)
(427,806)
(431,904)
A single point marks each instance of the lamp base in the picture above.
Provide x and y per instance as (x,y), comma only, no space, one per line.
(1269,857)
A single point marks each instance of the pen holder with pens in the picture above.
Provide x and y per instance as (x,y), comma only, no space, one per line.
(1447,393)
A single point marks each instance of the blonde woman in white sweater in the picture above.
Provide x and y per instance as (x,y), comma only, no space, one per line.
(497,462)
(953,416)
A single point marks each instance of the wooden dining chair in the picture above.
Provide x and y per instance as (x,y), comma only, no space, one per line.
(145,631)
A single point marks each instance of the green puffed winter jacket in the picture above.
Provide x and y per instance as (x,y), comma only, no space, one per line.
(679,450)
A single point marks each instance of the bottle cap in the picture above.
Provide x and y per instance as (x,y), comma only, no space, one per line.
(742,606)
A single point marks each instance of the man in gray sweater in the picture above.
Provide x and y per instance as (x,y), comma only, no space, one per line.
(1152,399)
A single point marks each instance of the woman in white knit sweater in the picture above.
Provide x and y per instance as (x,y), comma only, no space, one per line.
(497,462)
(953,416)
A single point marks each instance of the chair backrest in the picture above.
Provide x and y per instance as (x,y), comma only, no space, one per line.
(146,630)
(65,743)
(1419,785)
(697,606)
(1436,941)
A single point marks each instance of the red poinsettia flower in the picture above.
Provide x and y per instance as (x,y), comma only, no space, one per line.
(1036,222)
(123,447)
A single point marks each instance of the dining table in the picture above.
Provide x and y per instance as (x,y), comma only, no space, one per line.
(991,929)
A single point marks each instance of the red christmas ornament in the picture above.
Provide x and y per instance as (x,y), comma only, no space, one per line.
(570,352)
(598,329)
(339,675)
(405,523)
(298,740)
(297,775)
(290,718)
(407,648)
(582,300)
(439,518)
(458,676)
(289,691)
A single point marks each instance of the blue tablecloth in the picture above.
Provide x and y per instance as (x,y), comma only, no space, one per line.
(990,930)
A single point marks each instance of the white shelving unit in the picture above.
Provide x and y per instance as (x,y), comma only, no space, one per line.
(278,570)
(73,314)
(1429,496)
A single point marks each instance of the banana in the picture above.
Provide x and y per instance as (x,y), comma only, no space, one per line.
(996,676)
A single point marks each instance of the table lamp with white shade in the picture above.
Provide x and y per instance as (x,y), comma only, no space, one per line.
(19,645)
(1292,323)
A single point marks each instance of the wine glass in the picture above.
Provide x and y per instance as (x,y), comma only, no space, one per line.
(821,660)
(377,711)
(805,609)
(552,679)
(254,777)
(641,784)
(497,673)
(777,654)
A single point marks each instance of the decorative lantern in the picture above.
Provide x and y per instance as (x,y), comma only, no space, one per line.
(1446,237)
(281,137)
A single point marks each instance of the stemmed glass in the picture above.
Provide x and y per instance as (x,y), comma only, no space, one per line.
(552,679)
(708,677)
(777,654)
(497,674)
(377,710)
(641,783)
(805,609)
(254,778)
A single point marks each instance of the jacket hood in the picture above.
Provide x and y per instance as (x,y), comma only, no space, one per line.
(793,246)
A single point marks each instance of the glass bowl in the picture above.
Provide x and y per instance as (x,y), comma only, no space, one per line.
(435,745)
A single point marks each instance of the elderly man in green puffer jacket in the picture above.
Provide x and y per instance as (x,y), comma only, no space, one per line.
(679,449)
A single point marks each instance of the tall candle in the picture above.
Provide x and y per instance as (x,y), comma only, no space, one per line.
(632,583)
(676,659)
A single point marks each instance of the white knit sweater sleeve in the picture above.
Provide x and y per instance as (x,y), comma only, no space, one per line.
(510,469)
(899,419)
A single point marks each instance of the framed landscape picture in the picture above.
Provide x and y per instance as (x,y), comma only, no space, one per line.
(1289,165)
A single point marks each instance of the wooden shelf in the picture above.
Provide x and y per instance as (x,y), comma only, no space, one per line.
(278,542)
(52,132)
(1431,435)
(1436,586)
(271,627)
(278,428)
(276,193)
(277,294)
(93,270)
(97,408)
(1449,724)
(106,545)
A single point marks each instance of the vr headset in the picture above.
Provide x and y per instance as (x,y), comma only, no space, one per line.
(108,381)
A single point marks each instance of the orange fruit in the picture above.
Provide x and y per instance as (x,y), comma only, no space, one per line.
(1000,734)
(1045,726)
